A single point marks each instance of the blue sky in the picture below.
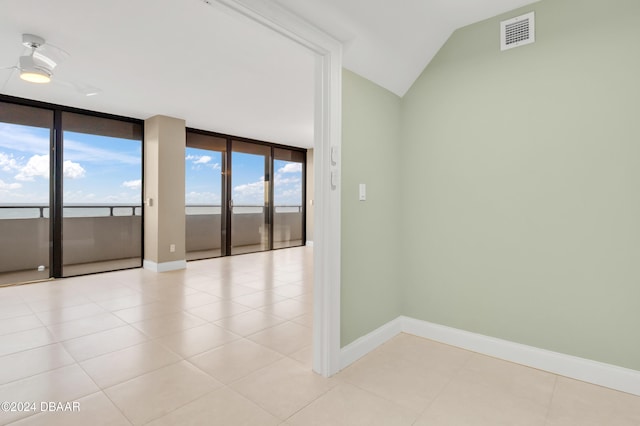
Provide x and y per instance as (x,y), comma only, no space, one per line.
(203,179)
(24,151)
(97,169)
(101,169)
(105,170)
(203,176)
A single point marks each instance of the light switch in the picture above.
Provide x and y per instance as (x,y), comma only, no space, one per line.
(335,154)
(363,192)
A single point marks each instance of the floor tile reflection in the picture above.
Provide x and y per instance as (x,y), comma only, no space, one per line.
(228,341)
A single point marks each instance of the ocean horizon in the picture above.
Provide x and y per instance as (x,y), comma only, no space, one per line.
(41,210)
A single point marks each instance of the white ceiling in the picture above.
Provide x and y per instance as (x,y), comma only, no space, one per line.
(390,43)
(217,70)
(181,58)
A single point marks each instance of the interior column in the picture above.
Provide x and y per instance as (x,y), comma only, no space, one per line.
(164,194)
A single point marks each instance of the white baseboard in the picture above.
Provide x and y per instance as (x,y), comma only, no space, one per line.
(310,243)
(611,376)
(165,266)
(365,344)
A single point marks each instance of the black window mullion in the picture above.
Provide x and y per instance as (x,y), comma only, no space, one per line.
(270,207)
(304,201)
(55,216)
(226,197)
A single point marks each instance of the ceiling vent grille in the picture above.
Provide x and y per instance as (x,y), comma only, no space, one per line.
(518,31)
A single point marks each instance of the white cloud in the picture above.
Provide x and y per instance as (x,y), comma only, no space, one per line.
(37,166)
(286,181)
(73,170)
(250,188)
(249,193)
(288,175)
(24,195)
(198,159)
(133,184)
(8,186)
(24,139)
(291,168)
(292,196)
(204,160)
(79,151)
(8,163)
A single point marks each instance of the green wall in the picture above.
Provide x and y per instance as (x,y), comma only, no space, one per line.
(370,285)
(520,179)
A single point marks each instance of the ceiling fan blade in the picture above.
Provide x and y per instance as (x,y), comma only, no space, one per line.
(81,88)
(48,54)
(52,53)
(88,90)
(9,75)
(42,57)
(44,60)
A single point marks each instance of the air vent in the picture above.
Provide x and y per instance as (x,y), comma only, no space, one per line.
(518,31)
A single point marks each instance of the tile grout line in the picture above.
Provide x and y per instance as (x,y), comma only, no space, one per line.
(183,405)
(447,385)
(306,405)
(348,382)
(551,398)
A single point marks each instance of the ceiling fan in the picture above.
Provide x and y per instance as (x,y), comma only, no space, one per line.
(38,63)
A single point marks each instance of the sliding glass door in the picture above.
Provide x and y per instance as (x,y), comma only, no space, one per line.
(288,198)
(242,196)
(25,156)
(205,196)
(102,194)
(250,204)
(70,193)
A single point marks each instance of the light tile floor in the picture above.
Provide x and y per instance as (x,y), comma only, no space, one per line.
(228,342)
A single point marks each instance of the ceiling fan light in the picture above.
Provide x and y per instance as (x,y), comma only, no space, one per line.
(35,76)
(33,73)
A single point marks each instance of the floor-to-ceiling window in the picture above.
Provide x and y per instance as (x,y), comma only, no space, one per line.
(250,197)
(70,192)
(288,198)
(102,184)
(242,196)
(26,137)
(205,196)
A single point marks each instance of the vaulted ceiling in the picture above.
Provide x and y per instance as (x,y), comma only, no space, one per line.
(220,71)
(390,43)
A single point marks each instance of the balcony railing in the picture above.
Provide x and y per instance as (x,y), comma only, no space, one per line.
(92,233)
(30,211)
(203,224)
(197,209)
(98,233)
